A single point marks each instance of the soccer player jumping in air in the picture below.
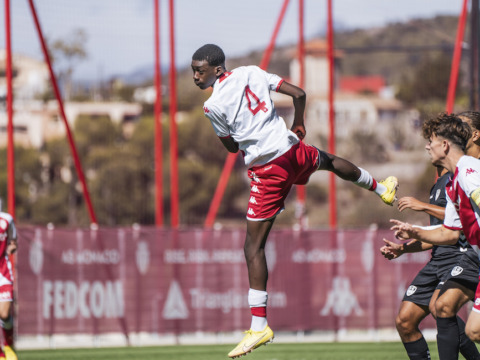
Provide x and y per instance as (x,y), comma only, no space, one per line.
(244,118)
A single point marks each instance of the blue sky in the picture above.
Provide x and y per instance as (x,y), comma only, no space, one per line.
(120,31)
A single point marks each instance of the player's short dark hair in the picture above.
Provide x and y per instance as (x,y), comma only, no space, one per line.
(474,117)
(211,53)
(450,127)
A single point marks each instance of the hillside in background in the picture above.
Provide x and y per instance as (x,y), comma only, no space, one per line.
(394,51)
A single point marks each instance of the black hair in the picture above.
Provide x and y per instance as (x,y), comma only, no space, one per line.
(211,53)
(474,117)
(450,127)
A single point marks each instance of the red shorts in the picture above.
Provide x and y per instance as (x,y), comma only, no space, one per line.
(271,183)
(476,303)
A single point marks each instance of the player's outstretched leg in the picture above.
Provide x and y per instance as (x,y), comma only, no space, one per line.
(346,170)
(251,341)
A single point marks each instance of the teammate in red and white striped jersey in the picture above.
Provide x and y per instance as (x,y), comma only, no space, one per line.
(8,245)
(448,137)
(244,118)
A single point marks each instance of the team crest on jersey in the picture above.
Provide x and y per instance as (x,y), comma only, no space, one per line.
(3,224)
(470,171)
(457,270)
(411,290)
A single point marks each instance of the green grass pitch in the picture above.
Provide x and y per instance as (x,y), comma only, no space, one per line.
(297,351)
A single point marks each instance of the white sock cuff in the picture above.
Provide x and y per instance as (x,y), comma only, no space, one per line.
(365,180)
(257,298)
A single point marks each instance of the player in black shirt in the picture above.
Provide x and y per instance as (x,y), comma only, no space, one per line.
(457,263)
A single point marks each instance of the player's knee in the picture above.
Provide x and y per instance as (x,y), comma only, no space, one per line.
(443,308)
(250,249)
(404,325)
(432,309)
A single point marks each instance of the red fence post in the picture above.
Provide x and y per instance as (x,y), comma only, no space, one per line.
(56,90)
(158,122)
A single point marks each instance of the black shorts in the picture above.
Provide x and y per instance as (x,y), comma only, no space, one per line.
(463,269)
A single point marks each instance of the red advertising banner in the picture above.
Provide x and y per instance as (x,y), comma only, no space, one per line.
(179,281)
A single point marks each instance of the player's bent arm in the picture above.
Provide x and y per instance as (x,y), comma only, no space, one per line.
(229,144)
(435,211)
(299,100)
(437,236)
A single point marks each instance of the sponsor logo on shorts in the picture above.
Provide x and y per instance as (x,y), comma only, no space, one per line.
(251,212)
(5,295)
(457,270)
(411,290)
(477,301)
(255,178)
(255,189)
(252,200)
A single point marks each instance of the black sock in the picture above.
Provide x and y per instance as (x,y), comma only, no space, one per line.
(417,350)
(467,346)
(448,339)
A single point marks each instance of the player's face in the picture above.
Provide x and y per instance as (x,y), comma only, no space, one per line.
(204,75)
(435,148)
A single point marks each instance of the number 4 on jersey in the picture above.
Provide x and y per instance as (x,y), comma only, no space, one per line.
(260,105)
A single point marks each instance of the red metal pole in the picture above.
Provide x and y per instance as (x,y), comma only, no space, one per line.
(222,185)
(268,51)
(173,124)
(331,115)
(230,160)
(301,193)
(457,55)
(10,144)
(71,142)
(158,122)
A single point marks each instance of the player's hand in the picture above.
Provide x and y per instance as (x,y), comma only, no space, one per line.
(299,130)
(402,230)
(391,250)
(11,248)
(408,202)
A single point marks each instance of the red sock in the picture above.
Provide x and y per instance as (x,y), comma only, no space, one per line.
(7,337)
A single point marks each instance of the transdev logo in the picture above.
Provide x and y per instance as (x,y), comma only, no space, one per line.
(175,306)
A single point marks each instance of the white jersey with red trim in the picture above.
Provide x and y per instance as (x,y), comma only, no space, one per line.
(461,212)
(240,107)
